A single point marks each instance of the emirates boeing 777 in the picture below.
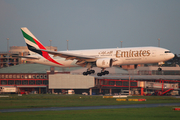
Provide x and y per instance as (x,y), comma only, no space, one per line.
(102,58)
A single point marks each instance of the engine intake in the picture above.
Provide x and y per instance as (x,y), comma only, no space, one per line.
(104,62)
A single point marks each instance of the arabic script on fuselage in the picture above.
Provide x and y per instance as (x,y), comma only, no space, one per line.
(105,53)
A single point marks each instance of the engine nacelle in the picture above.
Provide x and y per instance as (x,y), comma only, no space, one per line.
(104,62)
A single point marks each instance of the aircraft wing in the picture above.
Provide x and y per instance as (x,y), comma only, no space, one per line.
(71,56)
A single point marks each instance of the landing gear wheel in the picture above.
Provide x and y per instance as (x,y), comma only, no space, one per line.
(85,73)
(89,72)
(103,72)
(106,72)
(92,71)
(159,69)
(99,74)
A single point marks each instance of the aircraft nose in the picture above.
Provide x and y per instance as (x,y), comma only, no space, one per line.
(171,55)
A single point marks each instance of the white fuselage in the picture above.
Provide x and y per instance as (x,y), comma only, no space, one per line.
(121,56)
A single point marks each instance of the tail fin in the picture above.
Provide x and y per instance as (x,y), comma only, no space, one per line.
(32,42)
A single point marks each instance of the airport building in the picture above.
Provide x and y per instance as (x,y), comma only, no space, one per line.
(36,78)
(8,58)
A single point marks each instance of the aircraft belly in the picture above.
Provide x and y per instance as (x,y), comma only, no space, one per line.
(68,63)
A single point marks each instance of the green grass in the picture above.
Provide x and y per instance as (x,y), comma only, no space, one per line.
(48,100)
(34,101)
(156,113)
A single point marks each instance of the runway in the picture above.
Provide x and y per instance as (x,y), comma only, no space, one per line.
(90,107)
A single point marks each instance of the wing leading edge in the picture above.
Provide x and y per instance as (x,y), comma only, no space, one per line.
(71,56)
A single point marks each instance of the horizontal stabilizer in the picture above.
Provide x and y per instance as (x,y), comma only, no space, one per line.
(28,57)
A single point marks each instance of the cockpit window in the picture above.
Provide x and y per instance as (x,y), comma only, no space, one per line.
(167,51)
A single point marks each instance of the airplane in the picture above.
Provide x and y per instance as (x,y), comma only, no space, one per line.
(101,58)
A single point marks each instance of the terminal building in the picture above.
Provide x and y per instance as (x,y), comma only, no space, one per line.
(36,78)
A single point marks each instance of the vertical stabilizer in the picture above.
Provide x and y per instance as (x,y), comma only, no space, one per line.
(32,42)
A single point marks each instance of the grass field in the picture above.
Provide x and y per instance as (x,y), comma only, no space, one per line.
(157,113)
(36,101)
(45,100)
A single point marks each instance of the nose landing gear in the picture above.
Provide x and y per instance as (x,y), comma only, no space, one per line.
(160,65)
(159,69)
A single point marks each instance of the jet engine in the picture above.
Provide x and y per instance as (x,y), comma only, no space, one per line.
(104,62)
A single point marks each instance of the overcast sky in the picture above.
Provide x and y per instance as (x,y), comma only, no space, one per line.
(92,24)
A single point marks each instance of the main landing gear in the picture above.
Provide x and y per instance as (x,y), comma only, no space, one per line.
(89,72)
(103,72)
